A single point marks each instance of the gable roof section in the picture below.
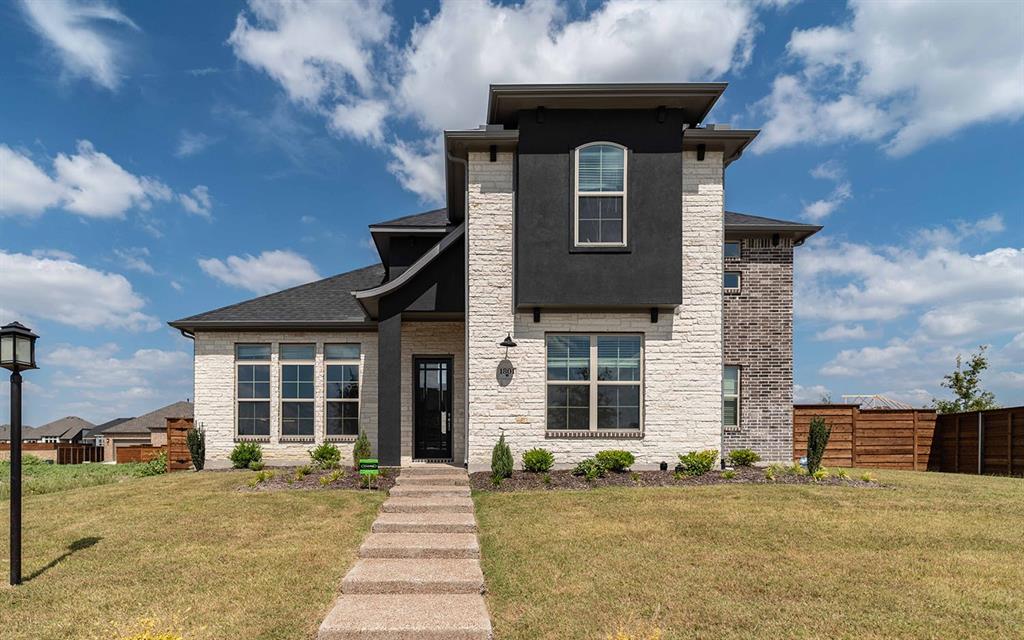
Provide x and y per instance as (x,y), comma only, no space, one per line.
(326,303)
(100,428)
(154,419)
(434,218)
(27,433)
(66,428)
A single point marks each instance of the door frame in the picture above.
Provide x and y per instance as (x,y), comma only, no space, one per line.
(450,358)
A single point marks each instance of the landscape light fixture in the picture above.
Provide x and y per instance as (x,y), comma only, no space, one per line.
(17,354)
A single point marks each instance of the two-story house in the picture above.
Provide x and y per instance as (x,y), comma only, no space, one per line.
(584,289)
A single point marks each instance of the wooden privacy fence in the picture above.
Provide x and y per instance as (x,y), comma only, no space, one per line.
(59,453)
(137,453)
(981,442)
(178,456)
(876,438)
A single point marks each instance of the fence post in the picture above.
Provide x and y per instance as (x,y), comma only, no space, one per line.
(915,439)
(981,442)
(1009,443)
(853,435)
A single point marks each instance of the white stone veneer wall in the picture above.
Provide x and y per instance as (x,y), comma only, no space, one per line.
(215,391)
(683,351)
(434,339)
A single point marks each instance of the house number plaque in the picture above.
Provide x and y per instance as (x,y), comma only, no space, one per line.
(505,372)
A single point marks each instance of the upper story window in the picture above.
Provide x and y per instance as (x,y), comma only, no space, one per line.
(732,250)
(600,218)
(252,388)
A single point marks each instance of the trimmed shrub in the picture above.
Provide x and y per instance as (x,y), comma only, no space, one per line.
(538,460)
(590,469)
(195,438)
(154,467)
(743,458)
(245,453)
(728,475)
(501,460)
(326,456)
(697,463)
(615,459)
(256,466)
(361,449)
(817,440)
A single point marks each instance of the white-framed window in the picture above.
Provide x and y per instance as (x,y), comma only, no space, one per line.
(732,250)
(594,383)
(342,393)
(600,195)
(731,281)
(252,390)
(731,397)
(297,404)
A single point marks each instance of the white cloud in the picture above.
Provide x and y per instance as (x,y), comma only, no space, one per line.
(315,50)
(361,78)
(177,286)
(833,172)
(268,272)
(905,73)
(851,362)
(96,186)
(24,187)
(134,259)
(53,253)
(190,143)
(67,292)
(812,394)
(77,32)
(197,201)
(842,332)
(946,236)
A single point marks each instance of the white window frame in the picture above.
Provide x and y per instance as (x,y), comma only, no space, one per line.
(739,283)
(281,364)
(593,383)
(607,194)
(738,396)
(270,390)
(358,400)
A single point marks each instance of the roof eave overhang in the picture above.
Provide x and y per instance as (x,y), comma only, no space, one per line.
(457,145)
(506,100)
(355,324)
(731,142)
(800,232)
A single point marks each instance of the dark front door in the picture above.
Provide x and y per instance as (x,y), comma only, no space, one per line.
(432,408)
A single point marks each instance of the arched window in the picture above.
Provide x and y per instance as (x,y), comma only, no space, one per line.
(600,218)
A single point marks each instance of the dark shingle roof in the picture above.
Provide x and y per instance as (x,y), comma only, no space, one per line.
(27,433)
(66,428)
(741,221)
(327,301)
(435,218)
(154,419)
(100,428)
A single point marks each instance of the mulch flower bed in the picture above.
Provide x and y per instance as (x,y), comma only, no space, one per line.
(526,481)
(285,478)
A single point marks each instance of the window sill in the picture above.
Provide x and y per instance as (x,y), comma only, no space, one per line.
(295,439)
(731,429)
(583,248)
(602,433)
(340,438)
(733,292)
(252,438)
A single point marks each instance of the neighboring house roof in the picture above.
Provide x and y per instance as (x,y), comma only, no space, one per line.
(324,303)
(100,428)
(65,428)
(27,433)
(152,420)
(435,218)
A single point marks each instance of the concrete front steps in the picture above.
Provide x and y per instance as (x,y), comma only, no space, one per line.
(418,575)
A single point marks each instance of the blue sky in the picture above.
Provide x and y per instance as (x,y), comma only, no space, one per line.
(161,159)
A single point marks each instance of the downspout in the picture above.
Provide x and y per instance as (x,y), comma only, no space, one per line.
(465,324)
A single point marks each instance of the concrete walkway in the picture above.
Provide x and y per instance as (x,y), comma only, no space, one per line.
(418,574)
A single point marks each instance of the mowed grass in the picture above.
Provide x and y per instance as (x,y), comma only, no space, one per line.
(188,551)
(39,478)
(934,556)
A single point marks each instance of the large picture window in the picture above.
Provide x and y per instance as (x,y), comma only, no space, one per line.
(600,207)
(731,397)
(297,406)
(252,380)
(342,397)
(582,397)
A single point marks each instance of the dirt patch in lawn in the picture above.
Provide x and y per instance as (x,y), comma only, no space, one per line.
(288,478)
(564,480)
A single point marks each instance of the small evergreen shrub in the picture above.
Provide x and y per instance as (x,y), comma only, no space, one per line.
(195,439)
(820,474)
(843,474)
(260,478)
(729,475)
(866,477)
(302,472)
(590,469)
(615,459)
(361,449)
(501,460)
(769,473)
(256,466)
(245,453)
(817,440)
(697,463)
(326,456)
(538,460)
(743,458)
(333,476)
(795,469)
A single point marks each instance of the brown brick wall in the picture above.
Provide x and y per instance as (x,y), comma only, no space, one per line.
(758,336)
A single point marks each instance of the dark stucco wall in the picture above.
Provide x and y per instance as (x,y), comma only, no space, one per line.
(440,286)
(549,271)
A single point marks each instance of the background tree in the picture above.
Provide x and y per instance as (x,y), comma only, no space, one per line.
(965,383)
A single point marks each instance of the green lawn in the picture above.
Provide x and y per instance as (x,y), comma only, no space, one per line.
(42,478)
(935,556)
(187,551)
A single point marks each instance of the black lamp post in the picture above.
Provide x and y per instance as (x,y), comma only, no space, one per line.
(17,354)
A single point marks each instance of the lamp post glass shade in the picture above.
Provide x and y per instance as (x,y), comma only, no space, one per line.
(17,347)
